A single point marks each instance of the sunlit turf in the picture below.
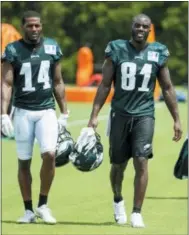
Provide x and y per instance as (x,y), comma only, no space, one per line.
(82,202)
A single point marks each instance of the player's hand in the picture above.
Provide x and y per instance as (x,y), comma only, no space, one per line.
(177,131)
(93,122)
(62,120)
(7,127)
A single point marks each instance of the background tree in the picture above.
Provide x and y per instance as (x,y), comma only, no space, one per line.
(74,24)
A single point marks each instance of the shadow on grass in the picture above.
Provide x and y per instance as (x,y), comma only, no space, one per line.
(14,222)
(168,198)
(68,223)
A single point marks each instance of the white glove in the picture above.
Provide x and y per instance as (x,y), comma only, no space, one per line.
(62,120)
(6,126)
(86,138)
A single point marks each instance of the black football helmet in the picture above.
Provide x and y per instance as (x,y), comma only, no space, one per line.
(87,154)
(181,165)
(64,146)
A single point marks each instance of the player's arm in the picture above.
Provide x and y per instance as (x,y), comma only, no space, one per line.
(59,93)
(59,89)
(170,99)
(7,84)
(103,90)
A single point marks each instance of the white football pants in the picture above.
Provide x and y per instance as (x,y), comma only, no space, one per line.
(29,125)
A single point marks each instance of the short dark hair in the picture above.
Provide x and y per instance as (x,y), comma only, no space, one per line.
(28,14)
(141,16)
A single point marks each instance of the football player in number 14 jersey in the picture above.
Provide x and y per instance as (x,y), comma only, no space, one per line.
(31,68)
(133,66)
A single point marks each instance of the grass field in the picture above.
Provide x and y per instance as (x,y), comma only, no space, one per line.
(82,202)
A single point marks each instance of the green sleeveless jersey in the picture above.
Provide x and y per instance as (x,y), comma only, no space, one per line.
(135,76)
(33,73)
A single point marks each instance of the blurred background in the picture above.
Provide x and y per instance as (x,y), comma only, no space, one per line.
(94,24)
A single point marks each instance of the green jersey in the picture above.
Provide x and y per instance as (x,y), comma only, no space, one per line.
(135,76)
(33,73)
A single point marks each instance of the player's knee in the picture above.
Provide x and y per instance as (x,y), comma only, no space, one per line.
(49,156)
(24,165)
(141,165)
(118,167)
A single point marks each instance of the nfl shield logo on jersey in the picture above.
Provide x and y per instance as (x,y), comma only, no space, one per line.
(153,56)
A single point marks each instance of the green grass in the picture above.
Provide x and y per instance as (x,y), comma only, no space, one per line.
(82,202)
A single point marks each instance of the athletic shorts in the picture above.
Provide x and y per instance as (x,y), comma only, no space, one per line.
(130,137)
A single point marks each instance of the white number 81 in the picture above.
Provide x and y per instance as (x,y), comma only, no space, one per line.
(128,76)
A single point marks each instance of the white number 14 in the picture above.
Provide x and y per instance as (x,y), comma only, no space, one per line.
(43,76)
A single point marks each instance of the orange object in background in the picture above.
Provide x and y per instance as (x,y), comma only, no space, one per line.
(95,79)
(151,38)
(85,66)
(84,94)
(8,34)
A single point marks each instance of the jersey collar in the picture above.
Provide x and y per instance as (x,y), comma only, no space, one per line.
(32,46)
(133,47)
